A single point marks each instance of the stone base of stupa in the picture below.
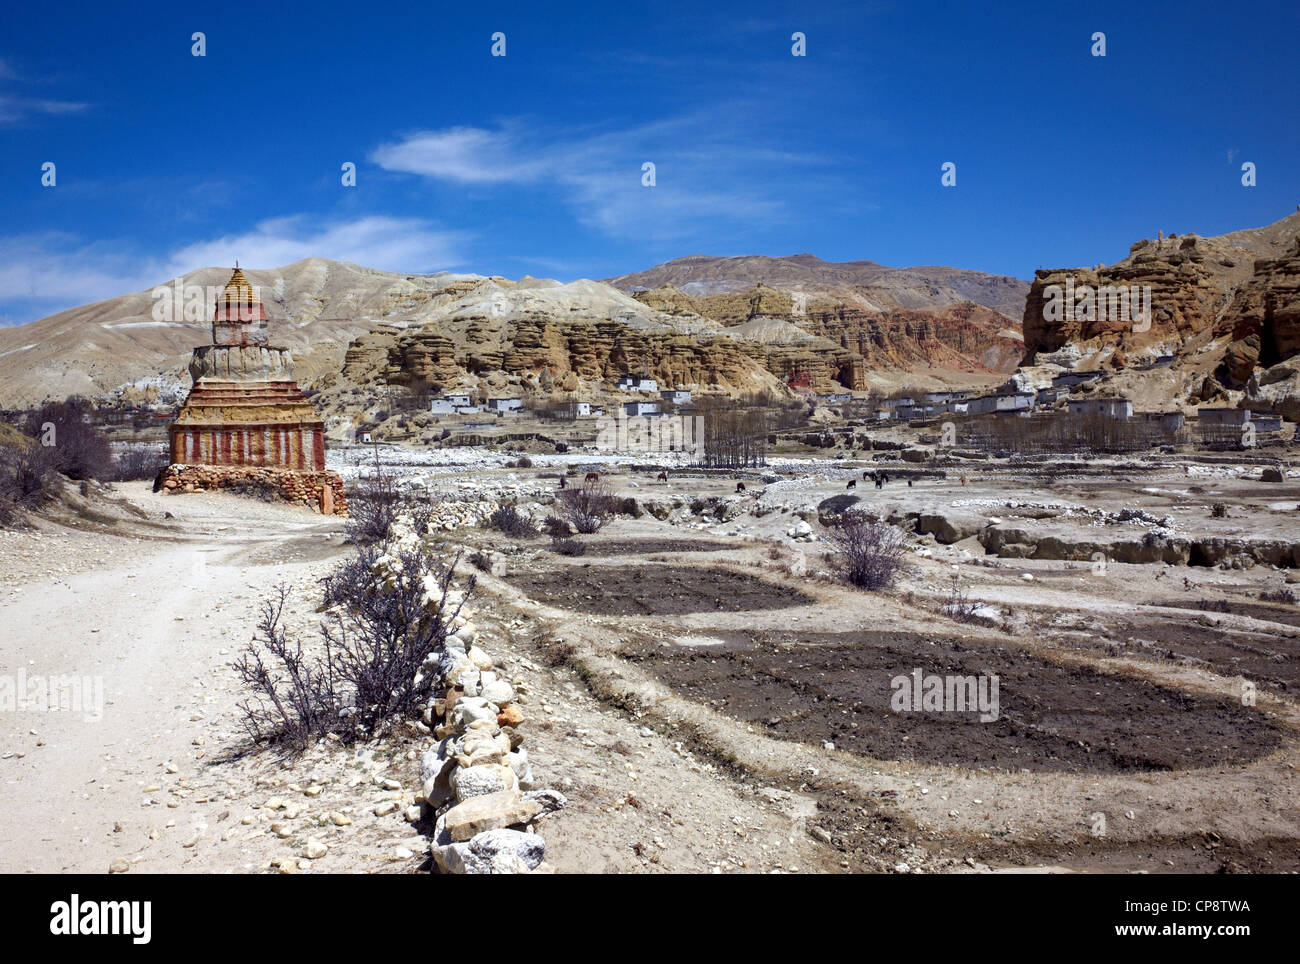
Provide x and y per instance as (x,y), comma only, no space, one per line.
(321,491)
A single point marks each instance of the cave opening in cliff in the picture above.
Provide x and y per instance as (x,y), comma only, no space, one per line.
(844,376)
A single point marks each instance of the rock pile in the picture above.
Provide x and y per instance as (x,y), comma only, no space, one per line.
(477,777)
(322,491)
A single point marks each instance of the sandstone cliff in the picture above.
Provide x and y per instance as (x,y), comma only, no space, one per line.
(1232,298)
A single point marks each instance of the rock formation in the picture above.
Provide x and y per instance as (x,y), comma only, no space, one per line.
(1236,294)
(1264,318)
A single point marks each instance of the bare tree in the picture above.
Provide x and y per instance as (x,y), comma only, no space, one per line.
(586,507)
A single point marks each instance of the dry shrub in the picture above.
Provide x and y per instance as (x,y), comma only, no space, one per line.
(27,477)
(865,554)
(587,507)
(512,522)
(136,463)
(373,507)
(568,547)
(80,450)
(366,673)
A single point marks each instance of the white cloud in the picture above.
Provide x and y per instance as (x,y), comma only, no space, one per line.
(467,155)
(391,244)
(52,271)
(708,167)
(14,109)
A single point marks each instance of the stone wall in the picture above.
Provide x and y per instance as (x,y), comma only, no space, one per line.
(322,491)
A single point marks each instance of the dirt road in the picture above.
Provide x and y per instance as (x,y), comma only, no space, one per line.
(121,768)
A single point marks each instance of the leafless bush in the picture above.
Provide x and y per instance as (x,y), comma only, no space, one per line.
(367,671)
(512,522)
(1219,510)
(586,507)
(373,508)
(27,476)
(568,547)
(80,450)
(556,528)
(866,554)
(959,605)
(421,514)
(1278,595)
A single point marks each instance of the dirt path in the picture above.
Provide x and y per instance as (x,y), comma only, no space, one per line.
(154,633)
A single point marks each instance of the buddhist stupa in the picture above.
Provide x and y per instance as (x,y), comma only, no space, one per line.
(245,410)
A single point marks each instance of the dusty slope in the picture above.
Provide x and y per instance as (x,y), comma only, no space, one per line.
(873,286)
(315,307)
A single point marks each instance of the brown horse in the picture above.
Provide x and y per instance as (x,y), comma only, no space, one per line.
(663,477)
(740,486)
(853,484)
(563,484)
(592,477)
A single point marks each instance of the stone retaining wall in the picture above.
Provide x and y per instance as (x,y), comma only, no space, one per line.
(322,491)
(477,778)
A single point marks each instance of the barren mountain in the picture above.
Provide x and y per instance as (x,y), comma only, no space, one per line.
(531,335)
(119,346)
(866,284)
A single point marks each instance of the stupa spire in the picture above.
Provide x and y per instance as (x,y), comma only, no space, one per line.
(239,318)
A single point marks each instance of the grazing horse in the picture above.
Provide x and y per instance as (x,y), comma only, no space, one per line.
(740,486)
(963,480)
(853,484)
(663,477)
(592,477)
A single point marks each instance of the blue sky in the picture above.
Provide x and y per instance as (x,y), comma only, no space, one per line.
(532,163)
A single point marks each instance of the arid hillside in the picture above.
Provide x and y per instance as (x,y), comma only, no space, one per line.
(866,284)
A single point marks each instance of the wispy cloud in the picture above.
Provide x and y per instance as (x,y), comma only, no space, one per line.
(709,166)
(15,108)
(51,271)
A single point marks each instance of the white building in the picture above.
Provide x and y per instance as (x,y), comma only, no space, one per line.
(676,396)
(641,408)
(1108,407)
(505,404)
(1224,417)
(582,408)
(638,383)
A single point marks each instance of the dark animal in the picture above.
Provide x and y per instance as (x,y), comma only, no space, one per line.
(663,476)
(563,483)
(878,482)
(909,483)
(592,477)
(853,484)
(740,486)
